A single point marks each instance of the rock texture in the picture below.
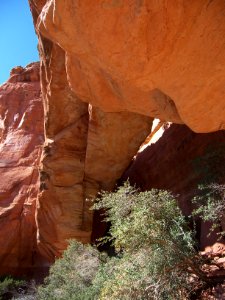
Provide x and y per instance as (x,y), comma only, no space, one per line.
(21,138)
(85,150)
(156,58)
(107,68)
(179,161)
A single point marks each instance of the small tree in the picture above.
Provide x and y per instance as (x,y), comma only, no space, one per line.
(155,245)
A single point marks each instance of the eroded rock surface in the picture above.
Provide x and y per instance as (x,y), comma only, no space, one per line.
(107,68)
(21,139)
(85,150)
(158,58)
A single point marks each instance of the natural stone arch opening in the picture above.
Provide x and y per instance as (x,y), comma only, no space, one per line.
(179,161)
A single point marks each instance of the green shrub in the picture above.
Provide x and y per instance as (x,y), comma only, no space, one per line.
(9,286)
(156,245)
(71,276)
(210,202)
(156,256)
(210,206)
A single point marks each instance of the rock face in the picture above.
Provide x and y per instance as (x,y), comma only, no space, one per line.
(107,68)
(21,139)
(179,161)
(156,58)
(85,150)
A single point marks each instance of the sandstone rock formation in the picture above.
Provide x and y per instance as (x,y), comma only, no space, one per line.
(21,139)
(180,161)
(159,58)
(86,150)
(107,68)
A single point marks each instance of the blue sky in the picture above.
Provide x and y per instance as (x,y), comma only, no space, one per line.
(18,42)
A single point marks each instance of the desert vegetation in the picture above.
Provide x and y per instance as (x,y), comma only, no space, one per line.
(156,253)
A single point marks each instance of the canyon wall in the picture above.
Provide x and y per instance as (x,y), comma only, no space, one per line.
(21,139)
(108,67)
(85,150)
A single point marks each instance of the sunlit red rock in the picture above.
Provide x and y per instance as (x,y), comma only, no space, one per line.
(108,68)
(159,58)
(21,139)
(85,150)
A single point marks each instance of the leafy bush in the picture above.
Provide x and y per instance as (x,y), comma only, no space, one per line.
(156,256)
(157,248)
(72,275)
(210,205)
(9,287)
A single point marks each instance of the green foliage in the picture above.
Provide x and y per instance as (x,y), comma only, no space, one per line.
(155,243)
(8,285)
(145,218)
(210,204)
(155,253)
(71,276)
